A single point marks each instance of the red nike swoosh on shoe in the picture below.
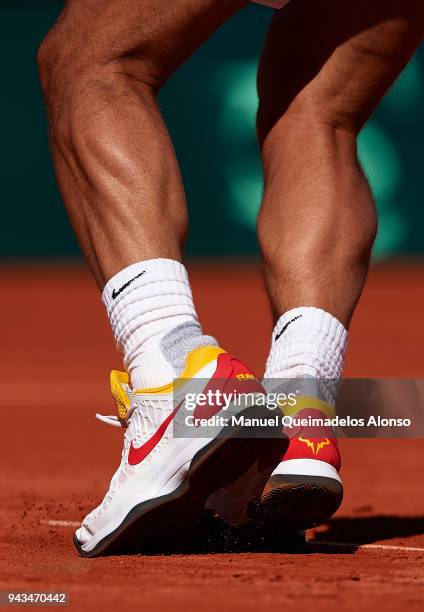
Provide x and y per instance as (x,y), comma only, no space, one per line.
(225,379)
(224,371)
(137,455)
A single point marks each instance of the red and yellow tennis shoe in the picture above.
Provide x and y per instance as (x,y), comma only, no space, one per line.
(159,491)
(305,488)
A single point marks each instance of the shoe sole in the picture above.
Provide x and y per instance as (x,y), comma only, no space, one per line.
(297,502)
(164,522)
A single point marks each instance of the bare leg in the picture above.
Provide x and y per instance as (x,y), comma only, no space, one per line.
(101,67)
(325,66)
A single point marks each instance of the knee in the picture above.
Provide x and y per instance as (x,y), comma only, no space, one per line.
(316,115)
(64,66)
(69,60)
(329,108)
(47,60)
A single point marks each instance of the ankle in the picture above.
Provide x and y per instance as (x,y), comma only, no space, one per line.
(308,344)
(159,362)
(153,318)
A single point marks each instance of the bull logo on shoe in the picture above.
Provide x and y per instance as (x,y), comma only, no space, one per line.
(315,446)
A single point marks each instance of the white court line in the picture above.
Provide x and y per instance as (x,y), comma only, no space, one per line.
(317,543)
(53,523)
(365,546)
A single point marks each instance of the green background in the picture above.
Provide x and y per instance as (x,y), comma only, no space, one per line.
(209,107)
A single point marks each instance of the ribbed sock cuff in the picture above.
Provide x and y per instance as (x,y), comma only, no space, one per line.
(307,341)
(142,273)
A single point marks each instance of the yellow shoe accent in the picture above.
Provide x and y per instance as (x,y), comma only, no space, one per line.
(121,390)
(195,361)
(121,387)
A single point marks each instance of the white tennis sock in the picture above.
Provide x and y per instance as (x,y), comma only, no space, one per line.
(309,345)
(151,311)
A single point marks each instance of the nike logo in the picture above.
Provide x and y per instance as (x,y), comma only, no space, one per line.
(137,455)
(286,326)
(115,292)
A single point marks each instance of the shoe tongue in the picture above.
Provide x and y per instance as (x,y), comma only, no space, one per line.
(122,392)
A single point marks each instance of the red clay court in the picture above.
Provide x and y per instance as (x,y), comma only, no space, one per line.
(56,353)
